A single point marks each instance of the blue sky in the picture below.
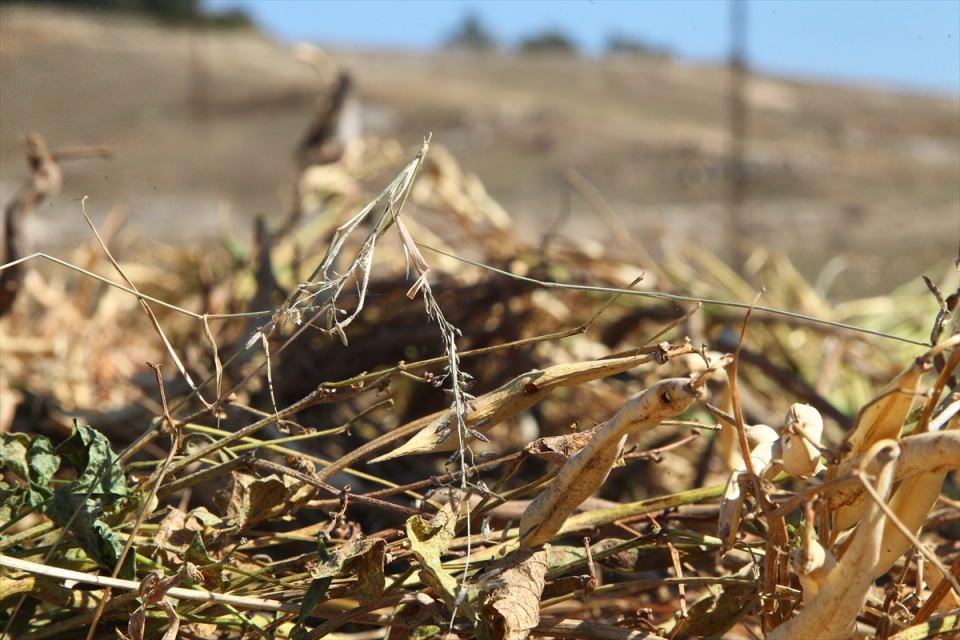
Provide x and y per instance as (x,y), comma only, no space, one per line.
(912,44)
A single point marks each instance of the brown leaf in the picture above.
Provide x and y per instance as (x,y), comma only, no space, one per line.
(560,448)
(510,594)
(363,558)
(254,500)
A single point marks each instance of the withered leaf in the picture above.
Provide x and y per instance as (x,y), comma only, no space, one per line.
(509,600)
(428,541)
(363,558)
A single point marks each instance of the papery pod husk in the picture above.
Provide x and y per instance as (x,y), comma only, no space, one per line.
(585,472)
(800,455)
(765,441)
(812,564)
(833,612)
(881,419)
(920,454)
(911,502)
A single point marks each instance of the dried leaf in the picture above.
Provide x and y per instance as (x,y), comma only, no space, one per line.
(559,449)
(153,591)
(254,500)
(510,595)
(715,613)
(363,558)
(428,542)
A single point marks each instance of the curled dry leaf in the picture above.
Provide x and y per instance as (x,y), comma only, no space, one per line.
(509,600)
(716,612)
(517,396)
(559,449)
(833,612)
(586,471)
(363,558)
(153,591)
(428,542)
(254,500)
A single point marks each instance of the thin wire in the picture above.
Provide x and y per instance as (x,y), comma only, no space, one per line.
(138,294)
(678,298)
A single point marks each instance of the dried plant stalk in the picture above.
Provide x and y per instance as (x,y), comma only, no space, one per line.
(517,396)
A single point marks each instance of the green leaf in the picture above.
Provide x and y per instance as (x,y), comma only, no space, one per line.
(197,554)
(89,452)
(94,536)
(13,453)
(315,592)
(43,462)
(425,632)
(322,551)
(12,500)
(33,461)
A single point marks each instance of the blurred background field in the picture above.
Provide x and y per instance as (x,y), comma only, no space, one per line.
(202,122)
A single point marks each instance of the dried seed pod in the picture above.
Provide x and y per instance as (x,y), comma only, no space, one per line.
(811,562)
(439,432)
(813,565)
(760,434)
(911,502)
(586,471)
(920,454)
(833,612)
(764,440)
(800,440)
(881,418)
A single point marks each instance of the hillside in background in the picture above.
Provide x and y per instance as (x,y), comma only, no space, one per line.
(204,123)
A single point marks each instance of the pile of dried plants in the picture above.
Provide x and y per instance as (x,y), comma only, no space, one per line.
(393,416)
